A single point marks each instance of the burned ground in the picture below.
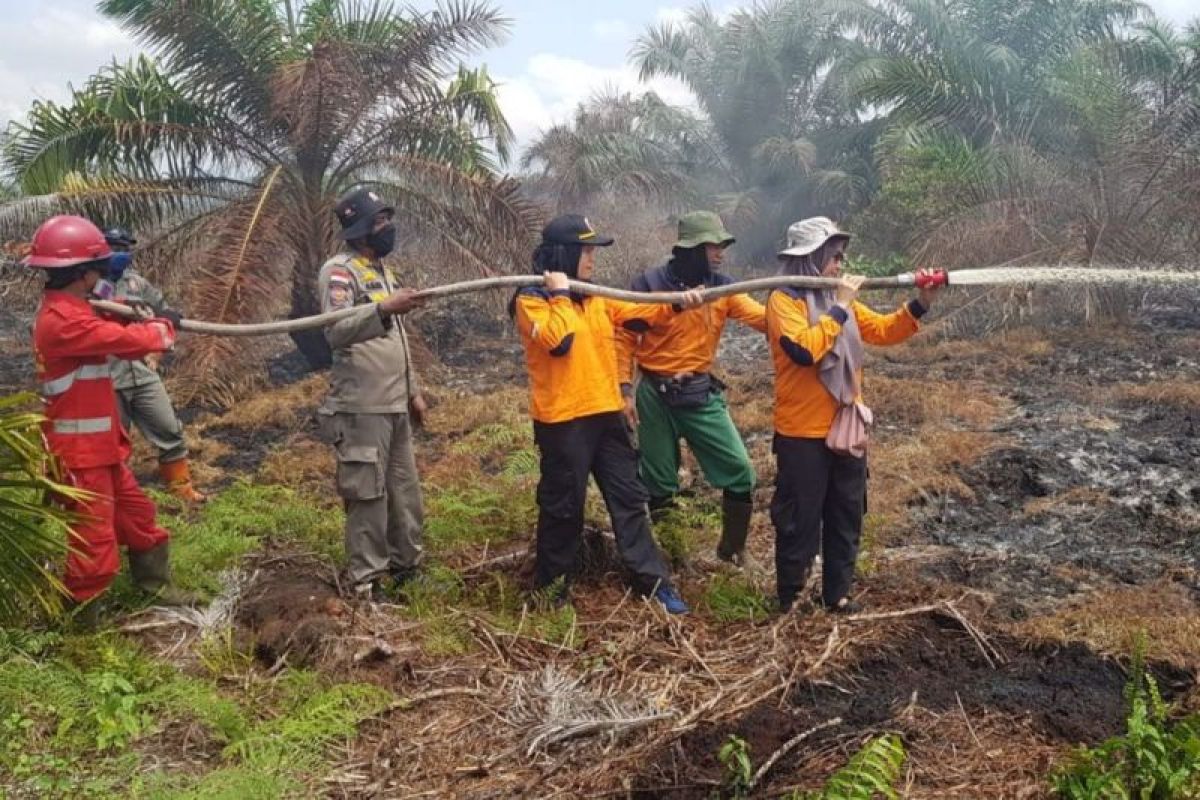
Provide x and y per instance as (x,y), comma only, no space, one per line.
(1038,486)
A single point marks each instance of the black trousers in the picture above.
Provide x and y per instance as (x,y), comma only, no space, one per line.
(819,501)
(599,446)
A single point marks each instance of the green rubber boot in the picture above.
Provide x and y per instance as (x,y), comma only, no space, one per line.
(151,572)
(736,511)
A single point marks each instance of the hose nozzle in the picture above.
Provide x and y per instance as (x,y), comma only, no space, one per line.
(930,278)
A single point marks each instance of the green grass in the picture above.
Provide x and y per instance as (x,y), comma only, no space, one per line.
(487,510)
(77,714)
(216,537)
(512,610)
(732,598)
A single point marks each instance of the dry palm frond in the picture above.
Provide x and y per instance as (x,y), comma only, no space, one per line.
(239,282)
(552,707)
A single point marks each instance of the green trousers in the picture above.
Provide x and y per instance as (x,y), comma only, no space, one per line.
(709,432)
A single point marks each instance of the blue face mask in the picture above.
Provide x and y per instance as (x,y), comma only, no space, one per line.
(117,264)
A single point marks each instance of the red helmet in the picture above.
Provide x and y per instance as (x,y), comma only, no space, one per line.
(65,241)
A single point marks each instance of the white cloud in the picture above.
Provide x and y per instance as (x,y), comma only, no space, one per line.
(551,86)
(612,30)
(676,15)
(45,47)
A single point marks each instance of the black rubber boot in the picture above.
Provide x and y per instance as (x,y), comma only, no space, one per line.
(661,507)
(151,572)
(736,510)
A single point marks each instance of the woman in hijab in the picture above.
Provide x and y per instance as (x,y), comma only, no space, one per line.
(578,420)
(816,339)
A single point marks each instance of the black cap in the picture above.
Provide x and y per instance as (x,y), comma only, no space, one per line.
(119,237)
(356,212)
(573,229)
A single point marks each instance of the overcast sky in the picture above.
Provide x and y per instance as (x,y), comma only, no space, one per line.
(558,53)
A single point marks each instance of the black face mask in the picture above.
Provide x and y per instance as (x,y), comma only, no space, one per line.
(691,266)
(382,241)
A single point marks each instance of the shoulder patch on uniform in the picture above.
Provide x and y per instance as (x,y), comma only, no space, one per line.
(339,294)
(340,275)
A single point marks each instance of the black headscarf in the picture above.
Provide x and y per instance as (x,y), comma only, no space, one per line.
(552,258)
(689,265)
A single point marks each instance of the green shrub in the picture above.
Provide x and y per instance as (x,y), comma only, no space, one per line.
(738,775)
(1155,759)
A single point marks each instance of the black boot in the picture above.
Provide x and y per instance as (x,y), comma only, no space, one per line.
(736,510)
(151,572)
(661,507)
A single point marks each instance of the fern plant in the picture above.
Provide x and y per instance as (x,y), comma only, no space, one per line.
(871,772)
(1153,760)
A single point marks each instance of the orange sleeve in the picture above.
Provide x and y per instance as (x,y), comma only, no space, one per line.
(637,317)
(885,329)
(549,322)
(804,343)
(748,311)
(626,342)
(86,336)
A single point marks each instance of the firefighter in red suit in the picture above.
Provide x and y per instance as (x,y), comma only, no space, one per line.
(72,347)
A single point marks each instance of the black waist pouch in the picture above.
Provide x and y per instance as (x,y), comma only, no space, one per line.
(693,391)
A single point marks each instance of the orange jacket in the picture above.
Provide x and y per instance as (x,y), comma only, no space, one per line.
(688,341)
(803,407)
(71,348)
(570,352)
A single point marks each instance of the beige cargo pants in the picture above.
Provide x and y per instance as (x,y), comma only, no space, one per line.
(377,480)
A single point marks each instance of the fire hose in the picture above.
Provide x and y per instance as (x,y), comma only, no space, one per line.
(988,276)
(935,278)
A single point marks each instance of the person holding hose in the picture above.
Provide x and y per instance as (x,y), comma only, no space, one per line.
(816,338)
(141,396)
(677,396)
(576,405)
(73,351)
(373,402)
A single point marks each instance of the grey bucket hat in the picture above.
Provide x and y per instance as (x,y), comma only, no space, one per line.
(807,235)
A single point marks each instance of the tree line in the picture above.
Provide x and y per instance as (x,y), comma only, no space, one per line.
(965,131)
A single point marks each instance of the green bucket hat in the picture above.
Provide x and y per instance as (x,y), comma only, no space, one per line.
(702,227)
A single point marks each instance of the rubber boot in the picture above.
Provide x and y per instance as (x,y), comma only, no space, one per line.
(661,508)
(85,617)
(177,475)
(151,572)
(736,510)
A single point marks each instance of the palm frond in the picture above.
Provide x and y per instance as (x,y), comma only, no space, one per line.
(34,533)
(243,266)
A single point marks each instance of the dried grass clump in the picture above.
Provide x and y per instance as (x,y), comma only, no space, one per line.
(301,462)
(923,466)
(1110,621)
(460,413)
(904,401)
(1182,393)
(284,407)
(1067,502)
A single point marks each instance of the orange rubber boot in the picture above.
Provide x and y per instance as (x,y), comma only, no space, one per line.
(177,475)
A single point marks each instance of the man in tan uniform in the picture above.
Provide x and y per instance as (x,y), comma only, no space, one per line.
(141,396)
(373,401)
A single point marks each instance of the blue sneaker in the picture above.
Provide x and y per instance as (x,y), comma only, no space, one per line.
(670,599)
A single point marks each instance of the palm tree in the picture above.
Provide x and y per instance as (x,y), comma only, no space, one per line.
(616,146)
(1043,130)
(784,141)
(33,533)
(256,116)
